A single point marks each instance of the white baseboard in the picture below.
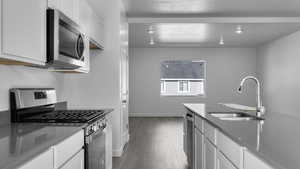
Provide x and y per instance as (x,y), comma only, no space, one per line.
(156,115)
(117,152)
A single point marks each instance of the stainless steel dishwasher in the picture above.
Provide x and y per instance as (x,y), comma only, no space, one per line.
(189,138)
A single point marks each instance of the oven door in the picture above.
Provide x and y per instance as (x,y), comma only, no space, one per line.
(95,150)
(65,41)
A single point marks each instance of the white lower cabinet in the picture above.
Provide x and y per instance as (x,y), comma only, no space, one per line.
(223,162)
(76,162)
(108,142)
(44,160)
(252,162)
(198,150)
(67,148)
(210,152)
(215,150)
(68,154)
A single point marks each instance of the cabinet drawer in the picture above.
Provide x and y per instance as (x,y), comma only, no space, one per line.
(67,148)
(199,123)
(252,162)
(210,132)
(230,149)
(223,162)
(45,160)
(77,162)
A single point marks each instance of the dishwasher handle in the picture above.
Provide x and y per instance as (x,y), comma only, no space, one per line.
(190,117)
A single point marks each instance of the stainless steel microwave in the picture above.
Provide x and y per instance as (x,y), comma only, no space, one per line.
(66,42)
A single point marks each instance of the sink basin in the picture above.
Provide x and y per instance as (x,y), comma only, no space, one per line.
(234,116)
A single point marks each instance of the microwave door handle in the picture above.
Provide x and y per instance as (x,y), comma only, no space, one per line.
(79,39)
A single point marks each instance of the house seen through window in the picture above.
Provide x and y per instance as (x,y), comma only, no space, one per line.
(182,78)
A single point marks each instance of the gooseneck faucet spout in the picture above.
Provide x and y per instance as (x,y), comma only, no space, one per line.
(260,109)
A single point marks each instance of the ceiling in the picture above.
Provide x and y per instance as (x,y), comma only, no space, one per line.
(207,35)
(212,20)
(204,8)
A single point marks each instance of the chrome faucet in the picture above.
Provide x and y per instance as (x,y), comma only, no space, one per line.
(260,109)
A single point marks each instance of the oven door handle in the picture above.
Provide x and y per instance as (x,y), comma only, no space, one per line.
(89,139)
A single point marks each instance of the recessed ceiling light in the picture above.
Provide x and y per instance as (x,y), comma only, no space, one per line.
(151,41)
(239,30)
(182,32)
(221,42)
(151,30)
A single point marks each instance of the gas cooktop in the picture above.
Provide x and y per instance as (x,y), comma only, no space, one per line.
(66,116)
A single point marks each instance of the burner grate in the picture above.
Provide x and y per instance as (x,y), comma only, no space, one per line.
(68,116)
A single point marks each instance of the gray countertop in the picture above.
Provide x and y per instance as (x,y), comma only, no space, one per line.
(276,140)
(22,142)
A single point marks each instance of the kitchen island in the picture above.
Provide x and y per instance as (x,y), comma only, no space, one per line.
(274,142)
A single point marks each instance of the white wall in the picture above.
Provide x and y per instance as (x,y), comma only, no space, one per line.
(278,65)
(225,68)
(21,76)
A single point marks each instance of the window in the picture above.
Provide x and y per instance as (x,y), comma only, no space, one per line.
(182,78)
(184,86)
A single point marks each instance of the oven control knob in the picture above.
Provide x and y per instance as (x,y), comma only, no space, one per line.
(95,128)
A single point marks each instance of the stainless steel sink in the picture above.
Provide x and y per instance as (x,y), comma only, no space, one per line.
(234,116)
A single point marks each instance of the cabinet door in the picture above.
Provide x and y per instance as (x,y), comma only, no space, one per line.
(64,150)
(223,162)
(77,162)
(24,30)
(44,160)
(85,14)
(210,152)
(70,8)
(252,162)
(97,29)
(198,149)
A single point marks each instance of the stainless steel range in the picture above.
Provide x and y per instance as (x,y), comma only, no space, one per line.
(38,106)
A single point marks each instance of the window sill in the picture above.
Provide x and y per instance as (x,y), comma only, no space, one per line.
(182,95)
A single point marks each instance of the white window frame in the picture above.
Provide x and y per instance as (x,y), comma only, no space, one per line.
(188,86)
(189,94)
(164,86)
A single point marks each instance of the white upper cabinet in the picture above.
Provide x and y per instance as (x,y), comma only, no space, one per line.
(85,16)
(24,31)
(69,7)
(82,13)
(97,29)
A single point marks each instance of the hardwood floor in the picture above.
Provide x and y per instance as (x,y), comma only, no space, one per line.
(155,143)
